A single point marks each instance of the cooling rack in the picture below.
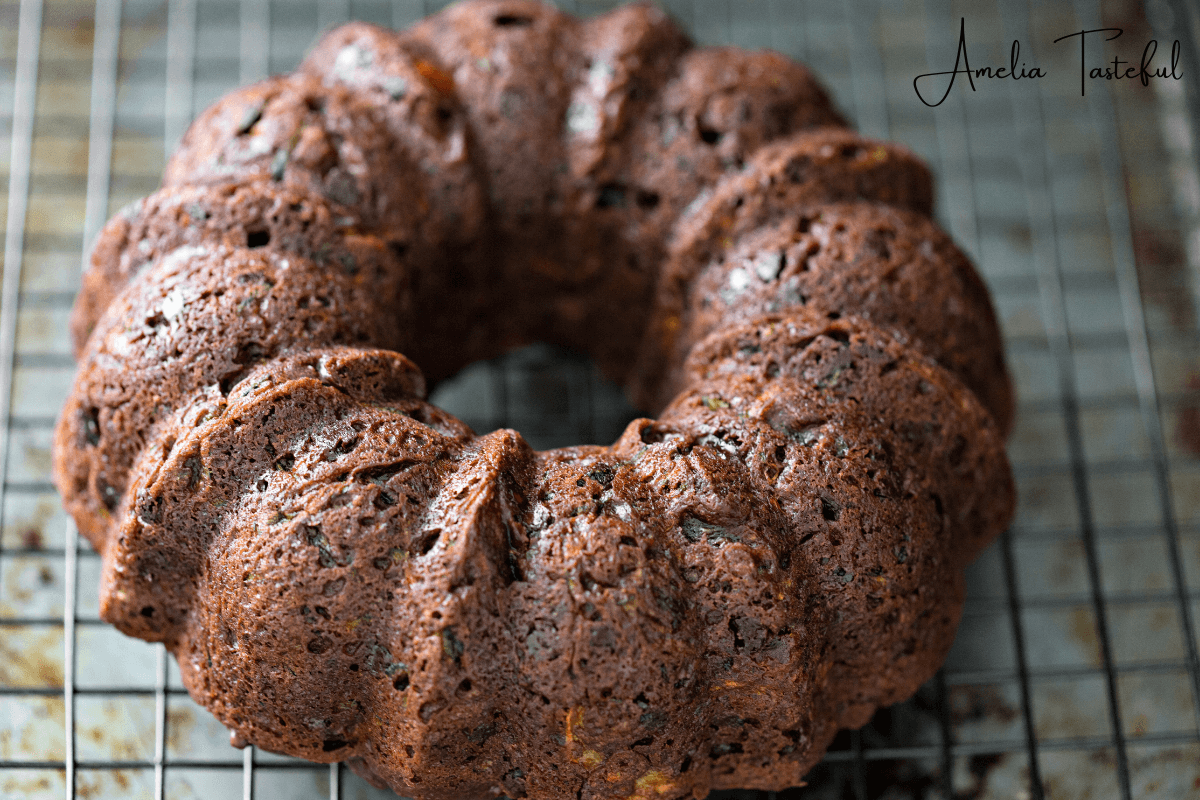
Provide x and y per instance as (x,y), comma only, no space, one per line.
(1075,671)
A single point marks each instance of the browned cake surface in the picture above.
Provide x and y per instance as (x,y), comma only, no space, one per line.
(889,266)
(345,572)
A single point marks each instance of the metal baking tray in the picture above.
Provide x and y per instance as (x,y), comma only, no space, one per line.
(1074,674)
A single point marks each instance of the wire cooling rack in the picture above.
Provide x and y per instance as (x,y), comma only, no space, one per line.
(1075,670)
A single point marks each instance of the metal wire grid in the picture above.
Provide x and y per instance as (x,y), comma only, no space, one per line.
(1084,348)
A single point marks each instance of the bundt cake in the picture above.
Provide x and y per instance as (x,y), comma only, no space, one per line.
(344,572)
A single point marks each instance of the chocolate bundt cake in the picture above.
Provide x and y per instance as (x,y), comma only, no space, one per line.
(344,572)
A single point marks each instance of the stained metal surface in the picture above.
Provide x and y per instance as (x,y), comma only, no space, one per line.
(1075,672)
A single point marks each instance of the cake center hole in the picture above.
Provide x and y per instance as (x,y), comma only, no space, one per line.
(553,396)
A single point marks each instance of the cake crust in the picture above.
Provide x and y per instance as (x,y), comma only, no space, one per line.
(345,572)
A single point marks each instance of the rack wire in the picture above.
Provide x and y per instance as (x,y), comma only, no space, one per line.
(1075,673)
